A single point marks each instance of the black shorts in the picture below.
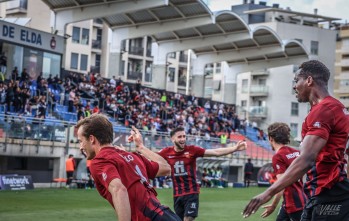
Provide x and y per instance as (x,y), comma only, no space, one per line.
(248,176)
(284,216)
(331,204)
(167,215)
(187,205)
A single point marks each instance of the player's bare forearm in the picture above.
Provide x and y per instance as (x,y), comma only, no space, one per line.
(164,167)
(121,201)
(241,145)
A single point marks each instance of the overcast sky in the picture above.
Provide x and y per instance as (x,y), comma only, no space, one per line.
(332,8)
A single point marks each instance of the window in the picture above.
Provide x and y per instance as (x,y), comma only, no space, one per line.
(243,103)
(76,35)
(171,74)
(218,68)
(172,55)
(344,82)
(74,61)
(98,60)
(83,62)
(314,47)
(294,129)
(85,36)
(244,86)
(262,81)
(294,109)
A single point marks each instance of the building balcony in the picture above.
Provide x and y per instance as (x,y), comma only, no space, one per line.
(96,44)
(136,50)
(17,7)
(342,90)
(344,33)
(258,90)
(257,111)
(95,69)
(260,73)
(183,58)
(97,22)
(345,102)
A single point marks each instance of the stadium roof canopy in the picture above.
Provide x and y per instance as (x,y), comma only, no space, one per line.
(180,25)
(134,13)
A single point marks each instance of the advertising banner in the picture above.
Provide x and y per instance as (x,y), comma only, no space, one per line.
(16,182)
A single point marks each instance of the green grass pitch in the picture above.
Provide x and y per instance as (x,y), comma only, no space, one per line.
(87,205)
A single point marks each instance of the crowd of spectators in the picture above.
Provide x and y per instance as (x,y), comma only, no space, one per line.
(129,104)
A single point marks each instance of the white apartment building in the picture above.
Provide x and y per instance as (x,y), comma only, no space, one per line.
(341,79)
(265,96)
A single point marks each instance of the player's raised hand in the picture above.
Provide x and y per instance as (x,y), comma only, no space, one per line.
(255,203)
(241,145)
(136,137)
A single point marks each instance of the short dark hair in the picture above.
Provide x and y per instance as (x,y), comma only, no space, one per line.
(177,129)
(280,132)
(99,126)
(317,70)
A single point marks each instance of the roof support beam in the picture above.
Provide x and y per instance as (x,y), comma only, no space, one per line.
(166,26)
(168,47)
(67,16)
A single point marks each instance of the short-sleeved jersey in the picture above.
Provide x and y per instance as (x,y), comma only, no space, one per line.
(294,197)
(329,120)
(183,168)
(134,171)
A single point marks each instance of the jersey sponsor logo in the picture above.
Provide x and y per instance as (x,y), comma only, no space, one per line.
(329,210)
(171,157)
(317,124)
(292,155)
(104,176)
(190,212)
(345,111)
(179,168)
(193,205)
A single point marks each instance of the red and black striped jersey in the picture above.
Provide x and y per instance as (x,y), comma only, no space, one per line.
(294,197)
(329,120)
(183,168)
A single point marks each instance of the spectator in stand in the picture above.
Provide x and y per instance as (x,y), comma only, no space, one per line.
(14,74)
(112,82)
(72,98)
(138,85)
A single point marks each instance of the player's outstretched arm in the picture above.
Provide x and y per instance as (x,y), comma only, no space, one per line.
(164,167)
(241,145)
(311,147)
(121,201)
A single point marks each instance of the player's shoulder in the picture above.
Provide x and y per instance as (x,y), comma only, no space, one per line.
(166,149)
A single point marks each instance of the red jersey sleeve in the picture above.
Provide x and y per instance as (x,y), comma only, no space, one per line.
(320,122)
(105,172)
(152,167)
(279,164)
(198,151)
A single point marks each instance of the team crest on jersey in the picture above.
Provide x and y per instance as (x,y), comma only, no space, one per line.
(104,176)
(187,154)
(317,124)
(345,111)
